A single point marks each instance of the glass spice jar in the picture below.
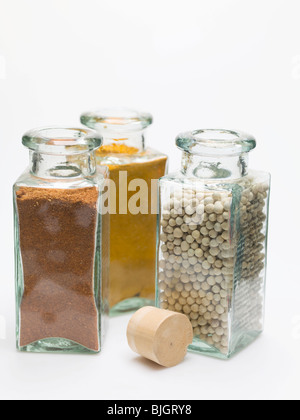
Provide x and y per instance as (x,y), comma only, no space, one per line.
(213,241)
(134,173)
(61,244)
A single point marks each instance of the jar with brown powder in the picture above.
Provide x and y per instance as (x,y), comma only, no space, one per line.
(61,244)
(134,173)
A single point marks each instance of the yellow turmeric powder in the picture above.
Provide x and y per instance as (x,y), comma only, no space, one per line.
(117,148)
(132,236)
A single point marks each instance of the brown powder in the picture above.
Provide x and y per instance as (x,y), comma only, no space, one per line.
(57,242)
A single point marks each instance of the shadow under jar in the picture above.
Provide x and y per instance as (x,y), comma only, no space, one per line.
(213,241)
(134,173)
(59,241)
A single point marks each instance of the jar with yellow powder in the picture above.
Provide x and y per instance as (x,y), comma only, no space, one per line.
(132,204)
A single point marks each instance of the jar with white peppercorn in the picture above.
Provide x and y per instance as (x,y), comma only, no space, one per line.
(212,243)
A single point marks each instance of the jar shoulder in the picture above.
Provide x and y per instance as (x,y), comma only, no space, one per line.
(125,159)
(253,177)
(27,179)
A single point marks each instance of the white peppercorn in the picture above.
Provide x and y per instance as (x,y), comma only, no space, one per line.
(197,268)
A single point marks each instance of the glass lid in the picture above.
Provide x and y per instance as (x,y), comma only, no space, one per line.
(62,141)
(213,142)
(117,120)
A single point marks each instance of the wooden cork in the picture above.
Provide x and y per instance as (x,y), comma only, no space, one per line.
(159,335)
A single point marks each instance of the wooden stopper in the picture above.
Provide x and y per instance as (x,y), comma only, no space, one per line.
(159,335)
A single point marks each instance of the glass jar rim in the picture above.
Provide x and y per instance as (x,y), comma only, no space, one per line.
(215,142)
(62,140)
(117,120)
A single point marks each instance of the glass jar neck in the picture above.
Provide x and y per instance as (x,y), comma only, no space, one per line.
(215,167)
(125,143)
(62,166)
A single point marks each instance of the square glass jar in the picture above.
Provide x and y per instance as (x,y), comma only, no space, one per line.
(61,243)
(212,241)
(134,172)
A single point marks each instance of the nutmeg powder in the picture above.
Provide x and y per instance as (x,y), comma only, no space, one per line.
(57,229)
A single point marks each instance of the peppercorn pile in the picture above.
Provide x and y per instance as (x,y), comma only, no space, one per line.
(212,260)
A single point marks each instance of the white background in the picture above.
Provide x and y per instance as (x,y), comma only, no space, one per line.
(194,64)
